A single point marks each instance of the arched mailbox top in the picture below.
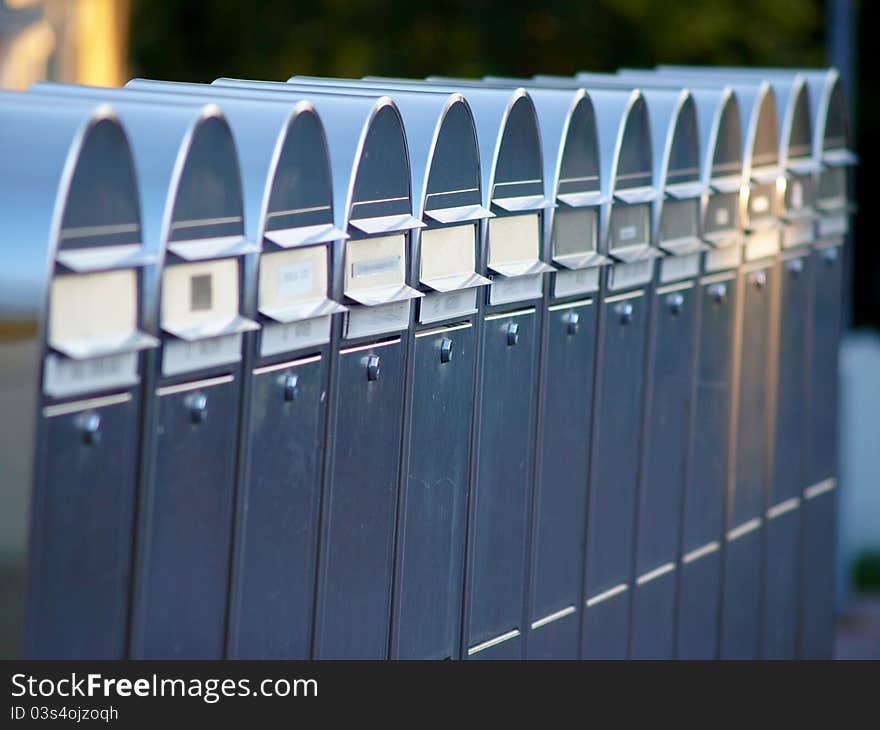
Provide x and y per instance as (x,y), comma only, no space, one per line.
(630,167)
(761,138)
(680,163)
(207,195)
(832,122)
(101,206)
(56,160)
(724,143)
(796,133)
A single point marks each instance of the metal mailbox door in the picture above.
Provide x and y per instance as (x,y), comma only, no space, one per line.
(187,570)
(782,539)
(561,503)
(430,570)
(86,510)
(278,535)
(610,544)
(360,504)
(741,591)
(500,512)
(706,487)
(664,467)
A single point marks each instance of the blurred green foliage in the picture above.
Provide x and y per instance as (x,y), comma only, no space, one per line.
(198,40)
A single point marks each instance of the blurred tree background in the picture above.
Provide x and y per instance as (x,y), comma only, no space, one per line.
(199,40)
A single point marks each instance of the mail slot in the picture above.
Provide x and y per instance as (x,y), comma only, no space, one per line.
(73,342)
(289,209)
(192,194)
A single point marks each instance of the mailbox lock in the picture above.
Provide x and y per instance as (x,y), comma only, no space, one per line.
(445,350)
(718,292)
(512,334)
(624,310)
(290,384)
(573,319)
(90,425)
(373,367)
(198,407)
(675,302)
(759,279)
(795,267)
(829,256)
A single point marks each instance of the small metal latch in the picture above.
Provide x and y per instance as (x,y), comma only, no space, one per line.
(718,292)
(573,320)
(373,368)
(445,350)
(512,334)
(829,256)
(290,385)
(624,310)
(759,279)
(90,426)
(795,267)
(675,302)
(198,407)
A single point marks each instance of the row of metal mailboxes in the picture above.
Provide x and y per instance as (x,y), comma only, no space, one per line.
(506,368)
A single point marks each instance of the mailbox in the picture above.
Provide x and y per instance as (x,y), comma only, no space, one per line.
(72,337)
(371,179)
(571,172)
(782,540)
(192,209)
(831,151)
(627,184)
(432,514)
(288,200)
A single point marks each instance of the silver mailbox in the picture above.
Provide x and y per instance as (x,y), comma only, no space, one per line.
(193,215)
(72,333)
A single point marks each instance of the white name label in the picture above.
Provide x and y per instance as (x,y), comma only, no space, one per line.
(516,288)
(673,268)
(627,233)
(579,281)
(182,356)
(63,377)
(294,279)
(436,307)
(275,338)
(722,217)
(364,321)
